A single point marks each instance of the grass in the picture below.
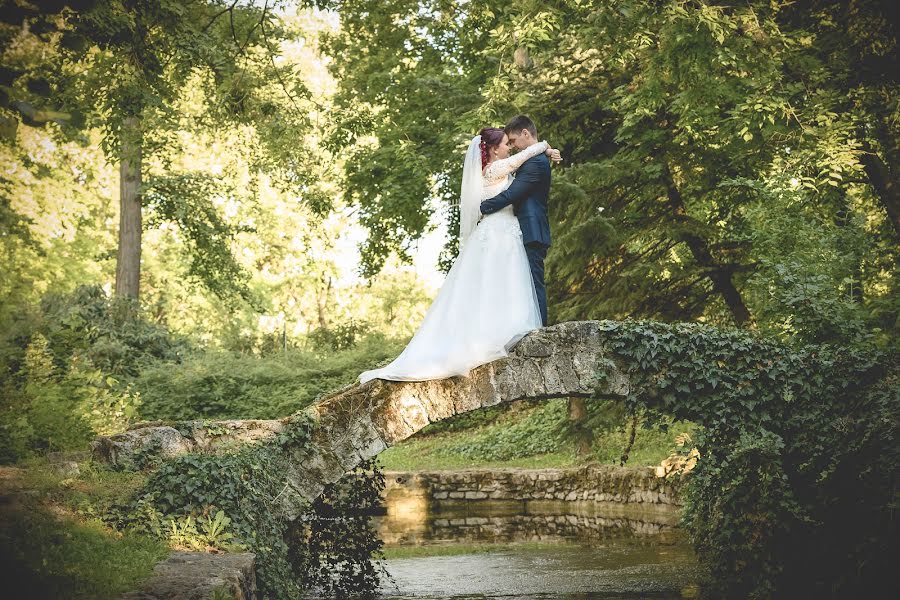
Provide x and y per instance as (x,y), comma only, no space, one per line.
(472,441)
(53,543)
(427,454)
(94,488)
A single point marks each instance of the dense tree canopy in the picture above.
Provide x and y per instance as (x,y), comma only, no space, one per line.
(726,163)
(141,73)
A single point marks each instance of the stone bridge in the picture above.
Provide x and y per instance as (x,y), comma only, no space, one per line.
(358,422)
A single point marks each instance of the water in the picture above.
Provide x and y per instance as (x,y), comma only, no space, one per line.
(550,550)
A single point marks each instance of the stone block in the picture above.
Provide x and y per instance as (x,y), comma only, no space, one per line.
(188,575)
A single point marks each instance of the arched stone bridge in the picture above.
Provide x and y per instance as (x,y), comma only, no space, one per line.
(358,422)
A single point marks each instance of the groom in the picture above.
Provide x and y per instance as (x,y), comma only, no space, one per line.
(528,194)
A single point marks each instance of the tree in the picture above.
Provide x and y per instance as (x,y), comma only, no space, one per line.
(408,77)
(124,67)
(690,131)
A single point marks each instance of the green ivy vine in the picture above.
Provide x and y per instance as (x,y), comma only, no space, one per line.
(796,443)
(244,486)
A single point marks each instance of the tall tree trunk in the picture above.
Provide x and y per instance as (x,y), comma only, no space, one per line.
(720,274)
(886,188)
(322,300)
(128,259)
(583,435)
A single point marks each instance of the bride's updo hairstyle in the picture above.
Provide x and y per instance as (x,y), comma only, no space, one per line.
(490,138)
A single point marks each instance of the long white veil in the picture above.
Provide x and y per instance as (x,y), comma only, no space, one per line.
(470,192)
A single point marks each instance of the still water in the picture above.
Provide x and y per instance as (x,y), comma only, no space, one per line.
(547,551)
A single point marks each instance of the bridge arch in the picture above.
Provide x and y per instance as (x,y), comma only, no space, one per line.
(358,422)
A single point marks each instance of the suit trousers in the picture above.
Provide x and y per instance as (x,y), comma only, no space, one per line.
(537,252)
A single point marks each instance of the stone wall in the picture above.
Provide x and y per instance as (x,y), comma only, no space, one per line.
(545,528)
(597,483)
(196,575)
(504,521)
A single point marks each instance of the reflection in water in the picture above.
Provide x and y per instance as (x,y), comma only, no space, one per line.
(547,550)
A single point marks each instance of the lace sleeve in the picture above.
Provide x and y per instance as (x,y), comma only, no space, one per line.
(501,168)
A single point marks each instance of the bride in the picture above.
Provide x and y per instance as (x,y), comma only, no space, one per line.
(488,301)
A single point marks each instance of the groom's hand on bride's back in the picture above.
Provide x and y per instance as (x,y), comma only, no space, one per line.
(527,177)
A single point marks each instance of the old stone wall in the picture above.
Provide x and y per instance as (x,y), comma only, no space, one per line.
(598,483)
(195,575)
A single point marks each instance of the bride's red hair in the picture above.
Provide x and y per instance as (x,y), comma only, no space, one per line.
(490,138)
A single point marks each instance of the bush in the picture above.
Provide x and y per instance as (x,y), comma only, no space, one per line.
(227,385)
(43,414)
(112,332)
(540,431)
(67,370)
(794,490)
(245,486)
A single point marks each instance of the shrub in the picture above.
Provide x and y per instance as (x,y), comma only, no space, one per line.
(66,371)
(228,385)
(793,493)
(43,413)
(245,486)
(540,431)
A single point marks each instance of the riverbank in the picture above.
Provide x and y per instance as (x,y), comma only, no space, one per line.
(556,550)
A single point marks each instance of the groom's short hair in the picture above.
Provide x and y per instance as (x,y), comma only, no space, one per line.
(517,124)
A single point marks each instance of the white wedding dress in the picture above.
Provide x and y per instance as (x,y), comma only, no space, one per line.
(488,301)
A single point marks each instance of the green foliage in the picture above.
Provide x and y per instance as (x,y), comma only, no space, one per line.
(108,331)
(654,441)
(242,484)
(809,307)
(163,75)
(795,442)
(235,499)
(472,419)
(54,554)
(335,537)
(534,435)
(409,73)
(229,385)
(42,413)
(204,533)
(339,337)
(68,371)
(187,200)
(729,162)
(711,149)
(540,432)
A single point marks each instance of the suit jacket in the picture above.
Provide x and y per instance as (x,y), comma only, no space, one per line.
(528,194)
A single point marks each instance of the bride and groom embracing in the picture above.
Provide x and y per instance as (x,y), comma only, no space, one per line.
(494,293)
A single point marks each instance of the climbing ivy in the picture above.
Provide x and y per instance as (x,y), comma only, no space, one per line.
(335,537)
(794,490)
(245,485)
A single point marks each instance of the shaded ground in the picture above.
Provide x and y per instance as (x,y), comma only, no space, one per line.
(47,550)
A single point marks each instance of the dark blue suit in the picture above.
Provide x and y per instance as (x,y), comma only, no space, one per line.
(528,194)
